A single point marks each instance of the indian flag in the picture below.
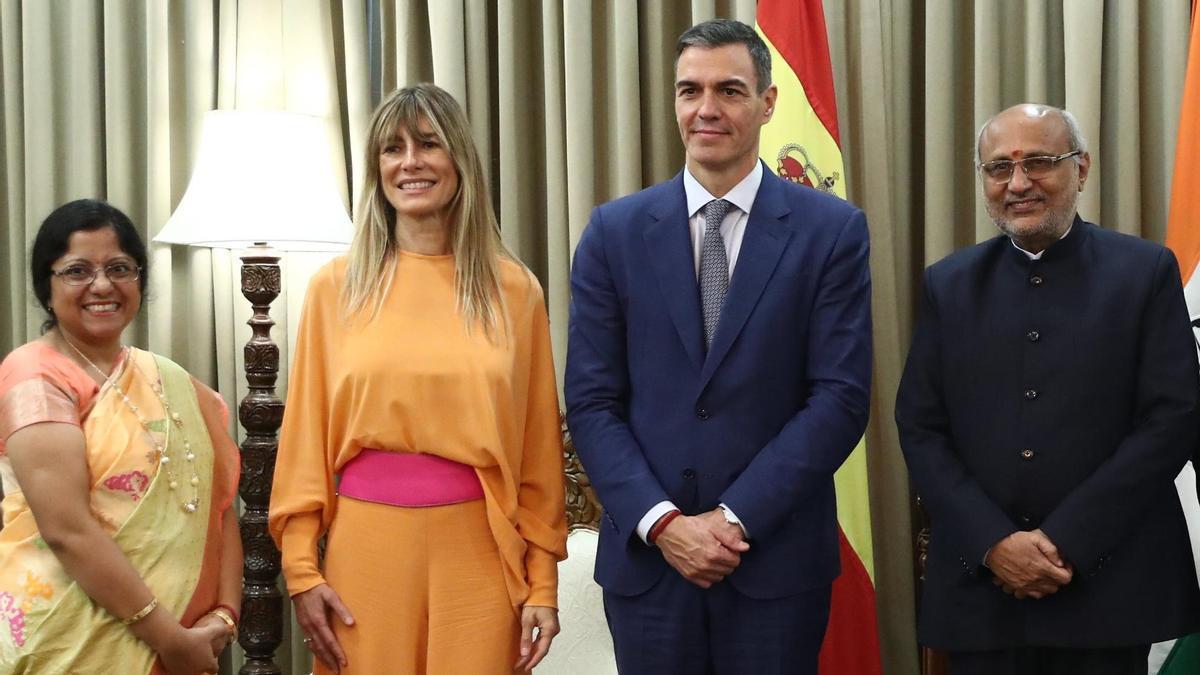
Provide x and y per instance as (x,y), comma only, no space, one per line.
(801,144)
(1182,656)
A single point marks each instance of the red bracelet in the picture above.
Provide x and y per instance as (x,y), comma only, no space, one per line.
(232,612)
(662,525)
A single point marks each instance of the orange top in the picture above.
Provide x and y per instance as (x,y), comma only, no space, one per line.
(38,384)
(414,380)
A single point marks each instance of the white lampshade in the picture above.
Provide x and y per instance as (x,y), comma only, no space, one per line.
(261,176)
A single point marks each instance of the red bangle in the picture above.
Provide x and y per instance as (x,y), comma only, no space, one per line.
(232,612)
(662,524)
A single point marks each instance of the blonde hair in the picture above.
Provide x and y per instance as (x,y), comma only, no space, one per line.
(474,233)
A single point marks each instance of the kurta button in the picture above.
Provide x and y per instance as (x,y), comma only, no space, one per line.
(1033,336)
(1031,394)
(1026,454)
(1035,280)
(703,414)
(689,473)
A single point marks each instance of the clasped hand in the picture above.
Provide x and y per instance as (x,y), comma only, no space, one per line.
(1028,565)
(704,549)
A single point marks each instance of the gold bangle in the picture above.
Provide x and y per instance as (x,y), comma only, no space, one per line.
(142,614)
(223,614)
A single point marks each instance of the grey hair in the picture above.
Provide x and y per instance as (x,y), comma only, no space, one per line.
(721,32)
(1074,136)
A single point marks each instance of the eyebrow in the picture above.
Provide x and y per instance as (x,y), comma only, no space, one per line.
(1031,153)
(730,82)
(123,257)
(419,136)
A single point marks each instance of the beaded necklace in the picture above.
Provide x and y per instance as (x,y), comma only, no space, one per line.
(160,446)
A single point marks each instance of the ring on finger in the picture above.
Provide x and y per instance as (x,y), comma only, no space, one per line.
(307,641)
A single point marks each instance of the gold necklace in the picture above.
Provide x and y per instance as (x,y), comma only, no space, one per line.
(164,458)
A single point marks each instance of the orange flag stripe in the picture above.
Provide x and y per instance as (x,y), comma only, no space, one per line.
(1183,223)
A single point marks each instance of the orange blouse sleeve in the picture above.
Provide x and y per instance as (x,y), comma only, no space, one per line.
(541,515)
(302,495)
(34,388)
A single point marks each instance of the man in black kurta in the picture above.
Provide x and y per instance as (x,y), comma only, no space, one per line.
(1049,400)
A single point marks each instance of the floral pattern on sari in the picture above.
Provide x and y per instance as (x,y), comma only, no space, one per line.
(11,611)
(14,608)
(134,483)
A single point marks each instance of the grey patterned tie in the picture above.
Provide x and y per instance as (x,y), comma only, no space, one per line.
(714,267)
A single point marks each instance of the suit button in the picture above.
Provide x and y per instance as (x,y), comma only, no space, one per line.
(1027,454)
(1026,520)
(703,414)
(1033,336)
(1035,280)
(689,473)
(1031,394)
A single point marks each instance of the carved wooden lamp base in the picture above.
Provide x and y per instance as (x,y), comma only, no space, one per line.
(260,413)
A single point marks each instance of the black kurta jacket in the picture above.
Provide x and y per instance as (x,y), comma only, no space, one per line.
(1060,394)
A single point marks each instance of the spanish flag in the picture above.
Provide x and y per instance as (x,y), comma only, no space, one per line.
(1182,657)
(801,144)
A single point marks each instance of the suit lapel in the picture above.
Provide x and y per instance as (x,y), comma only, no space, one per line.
(762,245)
(669,250)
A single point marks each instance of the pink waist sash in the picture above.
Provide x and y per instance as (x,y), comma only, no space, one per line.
(408,479)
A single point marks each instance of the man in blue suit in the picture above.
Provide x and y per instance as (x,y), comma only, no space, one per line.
(718,373)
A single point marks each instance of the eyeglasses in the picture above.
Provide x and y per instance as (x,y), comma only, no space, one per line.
(83,275)
(1000,171)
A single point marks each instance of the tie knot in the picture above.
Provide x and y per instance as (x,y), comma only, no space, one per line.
(714,213)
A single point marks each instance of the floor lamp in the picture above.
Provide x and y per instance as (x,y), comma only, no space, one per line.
(263,183)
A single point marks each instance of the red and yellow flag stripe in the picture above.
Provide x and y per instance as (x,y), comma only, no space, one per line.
(802,144)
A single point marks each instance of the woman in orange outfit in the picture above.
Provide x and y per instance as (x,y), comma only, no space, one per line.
(421,430)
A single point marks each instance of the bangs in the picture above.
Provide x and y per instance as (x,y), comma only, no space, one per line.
(404,117)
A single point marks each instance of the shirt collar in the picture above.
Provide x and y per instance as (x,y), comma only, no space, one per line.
(742,195)
(1038,256)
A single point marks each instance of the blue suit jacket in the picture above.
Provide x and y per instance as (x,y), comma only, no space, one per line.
(761,420)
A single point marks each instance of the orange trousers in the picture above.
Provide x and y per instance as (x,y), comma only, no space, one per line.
(425,587)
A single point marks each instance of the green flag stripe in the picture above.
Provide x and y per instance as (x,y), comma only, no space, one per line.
(1184,658)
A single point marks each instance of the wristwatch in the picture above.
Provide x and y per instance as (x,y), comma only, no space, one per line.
(730,518)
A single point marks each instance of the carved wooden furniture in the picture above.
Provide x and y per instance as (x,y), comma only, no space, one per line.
(933,662)
(583,508)
(260,413)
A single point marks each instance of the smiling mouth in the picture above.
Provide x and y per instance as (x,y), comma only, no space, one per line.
(1023,204)
(102,308)
(416,185)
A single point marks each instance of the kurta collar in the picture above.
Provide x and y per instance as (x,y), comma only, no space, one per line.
(1058,250)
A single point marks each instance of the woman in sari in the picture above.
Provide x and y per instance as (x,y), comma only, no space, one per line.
(421,429)
(120,550)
